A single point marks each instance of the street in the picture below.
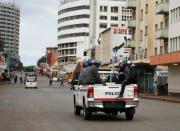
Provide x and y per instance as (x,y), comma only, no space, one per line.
(51,109)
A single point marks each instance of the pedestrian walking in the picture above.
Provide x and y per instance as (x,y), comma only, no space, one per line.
(15,79)
(8,79)
(21,80)
(61,82)
(50,81)
(155,90)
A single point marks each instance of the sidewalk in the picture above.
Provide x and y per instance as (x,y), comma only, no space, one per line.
(161,98)
(3,83)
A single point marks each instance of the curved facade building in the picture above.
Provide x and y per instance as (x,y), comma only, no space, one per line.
(73,30)
(81,21)
(9,27)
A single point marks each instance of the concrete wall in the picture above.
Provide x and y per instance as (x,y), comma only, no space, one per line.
(174,79)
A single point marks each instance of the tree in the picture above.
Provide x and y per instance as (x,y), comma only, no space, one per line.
(29,68)
(41,60)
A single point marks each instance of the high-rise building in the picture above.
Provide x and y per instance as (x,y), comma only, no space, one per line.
(81,21)
(9,31)
(9,26)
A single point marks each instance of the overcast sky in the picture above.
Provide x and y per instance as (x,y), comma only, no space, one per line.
(38,28)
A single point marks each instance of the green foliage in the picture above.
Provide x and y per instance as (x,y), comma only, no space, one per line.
(41,60)
(28,68)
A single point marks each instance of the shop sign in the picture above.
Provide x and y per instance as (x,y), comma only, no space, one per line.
(162,71)
(3,66)
(120,31)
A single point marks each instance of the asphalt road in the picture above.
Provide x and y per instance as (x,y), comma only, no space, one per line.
(51,109)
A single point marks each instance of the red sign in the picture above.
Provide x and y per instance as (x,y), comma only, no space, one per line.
(120,31)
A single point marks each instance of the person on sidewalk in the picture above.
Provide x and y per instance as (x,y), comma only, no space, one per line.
(155,90)
(61,82)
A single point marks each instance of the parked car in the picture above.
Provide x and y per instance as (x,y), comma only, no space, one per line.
(31,82)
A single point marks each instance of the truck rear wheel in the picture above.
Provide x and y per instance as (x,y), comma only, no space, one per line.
(77,110)
(130,113)
(86,112)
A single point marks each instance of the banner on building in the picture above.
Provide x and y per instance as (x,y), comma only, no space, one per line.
(3,66)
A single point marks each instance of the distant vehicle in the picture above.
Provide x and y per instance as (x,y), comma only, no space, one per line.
(31,82)
(69,80)
(55,79)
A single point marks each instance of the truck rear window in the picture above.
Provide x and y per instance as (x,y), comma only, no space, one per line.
(109,77)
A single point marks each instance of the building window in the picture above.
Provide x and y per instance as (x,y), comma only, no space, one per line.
(155,51)
(141,35)
(73,18)
(103,9)
(156,27)
(145,53)
(103,25)
(141,14)
(114,9)
(161,49)
(146,30)
(166,48)
(161,25)
(114,25)
(114,18)
(73,35)
(167,23)
(72,27)
(146,9)
(103,17)
(72,9)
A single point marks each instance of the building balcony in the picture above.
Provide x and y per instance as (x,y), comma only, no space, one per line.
(132,23)
(131,44)
(161,34)
(165,59)
(131,4)
(162,8)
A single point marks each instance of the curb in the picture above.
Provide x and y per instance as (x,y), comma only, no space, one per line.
(161,99)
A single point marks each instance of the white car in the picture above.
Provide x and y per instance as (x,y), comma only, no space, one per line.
(31,82)
(69,80)
(55,79)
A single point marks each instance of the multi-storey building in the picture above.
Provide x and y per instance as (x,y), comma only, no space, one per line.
(80,23)
(9,31)
(149,29)
(51,59)
(9,26)
(172,58)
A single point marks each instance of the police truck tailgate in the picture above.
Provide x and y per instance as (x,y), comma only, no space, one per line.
(111,92)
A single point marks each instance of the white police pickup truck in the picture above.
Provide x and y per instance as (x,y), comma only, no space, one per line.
(103,98)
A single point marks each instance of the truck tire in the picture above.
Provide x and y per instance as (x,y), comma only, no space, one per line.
(86,112)
(130,113)
(77,110)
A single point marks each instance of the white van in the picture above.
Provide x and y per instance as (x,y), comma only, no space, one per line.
(31,82)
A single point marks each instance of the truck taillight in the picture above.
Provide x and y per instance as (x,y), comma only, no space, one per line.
(135,91)
(91,92)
